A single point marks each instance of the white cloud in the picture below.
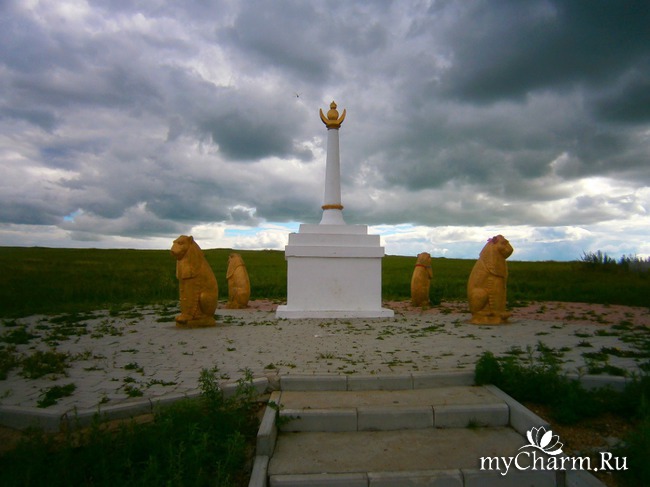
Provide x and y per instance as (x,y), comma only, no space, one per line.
(266,236)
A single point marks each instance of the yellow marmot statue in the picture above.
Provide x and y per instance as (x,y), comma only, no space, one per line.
(486,287)
(197,285)
(421,280)
(239,287)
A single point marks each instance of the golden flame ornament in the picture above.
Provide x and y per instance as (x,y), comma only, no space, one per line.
(332,121)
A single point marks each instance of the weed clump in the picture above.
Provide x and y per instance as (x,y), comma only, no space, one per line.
(9,359)
(52,395)
(542,382)
(42,363)
(17,336)
(200,442)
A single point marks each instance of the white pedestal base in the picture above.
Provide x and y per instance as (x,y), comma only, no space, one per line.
(333,271)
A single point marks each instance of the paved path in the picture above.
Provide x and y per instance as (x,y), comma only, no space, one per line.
(121,357)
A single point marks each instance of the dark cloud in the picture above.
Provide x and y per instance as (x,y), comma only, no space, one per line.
(136,221)
(277,38)
(627,100)
(124,119)
(508,49)
(305,41)
(28,213)
(242,136)
(43,119)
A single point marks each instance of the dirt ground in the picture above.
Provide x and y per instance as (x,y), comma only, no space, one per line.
(578,313)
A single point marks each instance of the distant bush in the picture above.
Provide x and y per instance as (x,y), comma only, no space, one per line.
(635,263)
(600,260)
(597,258)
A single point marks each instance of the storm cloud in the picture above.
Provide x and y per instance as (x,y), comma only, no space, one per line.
(127,123)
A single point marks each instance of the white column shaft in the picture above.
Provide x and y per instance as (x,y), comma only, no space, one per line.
(332,170)
(332,208)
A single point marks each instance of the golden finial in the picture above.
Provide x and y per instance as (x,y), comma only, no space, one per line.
(332,121)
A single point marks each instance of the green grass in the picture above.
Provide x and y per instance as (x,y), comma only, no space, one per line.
(41,363)
(202,442)
(8,360)
(44,280)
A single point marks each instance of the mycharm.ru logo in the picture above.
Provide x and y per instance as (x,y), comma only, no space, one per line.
(544,452)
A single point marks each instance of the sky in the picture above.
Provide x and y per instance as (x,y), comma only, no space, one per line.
(124,123)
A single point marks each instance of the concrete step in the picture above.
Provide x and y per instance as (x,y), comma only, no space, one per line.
(443,407)
(404,431)
(431,456)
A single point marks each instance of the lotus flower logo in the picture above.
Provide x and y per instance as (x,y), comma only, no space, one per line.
(544,440)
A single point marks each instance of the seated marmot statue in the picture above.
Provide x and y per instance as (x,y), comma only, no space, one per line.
(239,287)
(421,280)
(486,287)
(198,286)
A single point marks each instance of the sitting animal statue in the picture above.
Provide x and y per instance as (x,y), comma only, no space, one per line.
(486,287)
(239,287)
(198,287)
(421,280)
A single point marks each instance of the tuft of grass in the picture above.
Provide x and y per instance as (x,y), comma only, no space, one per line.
(9,359)
(52,395)
(43,363)
(133,391)
(280,420)
(134,366)
(17,336)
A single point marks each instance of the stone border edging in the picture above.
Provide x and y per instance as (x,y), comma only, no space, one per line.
(24,417)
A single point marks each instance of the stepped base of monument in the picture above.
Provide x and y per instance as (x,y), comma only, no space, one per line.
(288,313)
(333,271)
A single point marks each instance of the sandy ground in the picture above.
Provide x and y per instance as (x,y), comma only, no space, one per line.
(583,313)
(579,313)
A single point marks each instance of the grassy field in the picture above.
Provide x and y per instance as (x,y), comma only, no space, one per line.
(46,280)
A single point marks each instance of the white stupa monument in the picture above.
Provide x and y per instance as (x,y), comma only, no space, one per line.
(333,269)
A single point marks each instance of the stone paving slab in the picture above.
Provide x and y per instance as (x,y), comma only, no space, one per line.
(390,451)
(140,351)
(429,478)
(462,415)
(440,396)
(394,418)
(320,480)
(339,419)
(477,478)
